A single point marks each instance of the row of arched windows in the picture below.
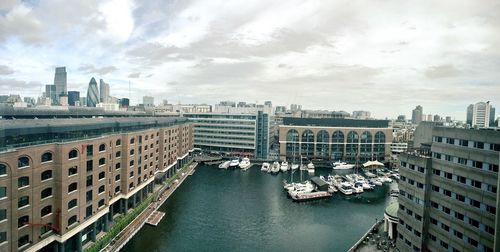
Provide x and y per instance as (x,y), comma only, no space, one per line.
(337,137)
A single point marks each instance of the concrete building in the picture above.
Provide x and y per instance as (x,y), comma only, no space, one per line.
(448,191)
(60,83)
(416,114)
(73,96)
(335,139)
(63,194)
(148,101)
(233,134)
(50,92)
(92,93)
(109,106)
(103,91)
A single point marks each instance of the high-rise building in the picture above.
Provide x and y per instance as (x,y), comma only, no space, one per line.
(295,107)
(103,91)
(492,116)
(448,119)
(416,115)
(429,118)
(148,101)
(448,191)
(60,82)
(470,111)
(124,102)
(481,114)
(73,96)
(92,93)
(62,189)
(50,92)
(437,118)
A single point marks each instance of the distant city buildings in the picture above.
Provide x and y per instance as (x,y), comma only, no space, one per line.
(416,115)
(92,94)
(481,115)
(73,98)
(148,101)
(103,91)
(361,114)
(401,118)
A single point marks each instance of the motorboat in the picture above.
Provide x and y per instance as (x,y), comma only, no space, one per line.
(303,167)
(295,166)
(310,167)
(265,167)
(357,188)
(345,188)
(245,163)
(342,165)
(332,189)
(284,166)
(376,181)
(224,165)
(370,175)
(275,168)
(385,179)
(234,163)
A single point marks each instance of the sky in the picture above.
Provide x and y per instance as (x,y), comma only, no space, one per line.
(381,56)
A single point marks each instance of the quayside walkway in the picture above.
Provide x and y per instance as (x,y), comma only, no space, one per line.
(129,231)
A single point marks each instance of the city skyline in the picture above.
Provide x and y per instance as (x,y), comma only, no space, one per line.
(336,56)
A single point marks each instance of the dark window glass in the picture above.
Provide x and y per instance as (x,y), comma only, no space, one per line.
(23,221)
(23,240)
(72,220)
(72,187)
(23,162)
(72,170)
(46,175)
(102,147)
(23,181)
(46,157)
(47,192)
(3,169)
(46,210)
(72,154)
(72,203)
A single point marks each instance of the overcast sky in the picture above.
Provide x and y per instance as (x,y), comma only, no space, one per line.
(382,56)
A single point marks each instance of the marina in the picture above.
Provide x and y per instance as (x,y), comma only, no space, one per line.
(252,204)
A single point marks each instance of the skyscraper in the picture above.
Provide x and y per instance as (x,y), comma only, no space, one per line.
(92,93)
(60,82)
(492,116)
(73,96)
(470,110)
(148,101)
(481,114)
(104,91)
(50,92)
(416,115)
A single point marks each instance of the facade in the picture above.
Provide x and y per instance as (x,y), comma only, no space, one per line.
(448,192)
(92,93)
(103,91)
(233,134)
(148,101)
(481,114)
(62,194)
(416,115)
(73,97)
(60,83)
(335,139)
(470,111)
(50,92)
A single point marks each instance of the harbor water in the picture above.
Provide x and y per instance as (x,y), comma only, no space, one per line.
(231,210)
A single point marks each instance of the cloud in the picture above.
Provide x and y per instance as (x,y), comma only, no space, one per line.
(22,23)
(5,70)
(91,69)
(134,75)
(442,71)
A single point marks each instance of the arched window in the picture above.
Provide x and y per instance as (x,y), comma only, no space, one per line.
(379,146)
(146,137)
(72,154)
(102,161)
(131,185)
(307,143)
(118,142)
(23,201)
(132,151)
(23,162)
(72,170)
(3,169)
(366,146)
(118,166)
(102,147)
(72,220)
(46,175)
(23,181)
(102,175)
(322,144)
(292,144)
(132,140)
(352,146)
(47,192)
(72,187)
(338,145)
(46,157)
(132,163)
(100,203)
(101,189)
(117,177)
(118,154)
(45,211)
(72,203)
(117,189)
(23,221)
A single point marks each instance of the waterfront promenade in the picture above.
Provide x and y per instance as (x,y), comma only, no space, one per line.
(129,231)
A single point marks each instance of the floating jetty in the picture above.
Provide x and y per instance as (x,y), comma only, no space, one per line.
(310,196)
(155,218)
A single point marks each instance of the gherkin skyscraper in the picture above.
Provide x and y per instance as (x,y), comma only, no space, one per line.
(92,93)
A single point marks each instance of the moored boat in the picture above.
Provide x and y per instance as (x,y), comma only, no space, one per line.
(342,165)
(224,165)
(284,166)
(265,167)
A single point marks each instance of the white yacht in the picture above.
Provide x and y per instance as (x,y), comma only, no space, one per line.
(234,163)
(342,166)
(275,168)
(345,188)
(310,167)
(284,166)
(357,188)
(295,166)
(376,181)
(224,165)
(245,164)
(265,167)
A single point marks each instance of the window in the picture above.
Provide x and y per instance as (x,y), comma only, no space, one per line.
(3,192)
(473,222)
(443,244)
(458,234)
(23,201)
(118,166)
(433,221)
(46,210)
(23,181)
(72,220)
(436,172)
(117,189)
(3,169)
(88,211)
(459,216)
(89,180)
(102,147)
(475,203)
(46,229)
(72,187)
(101,189)
(47,192)
(72,203)
(445,227)
(3,214)
(131,185)
(100,203)
(72,170)
(102,175)
(448,175)
(46,175)
(90,165)
(472,242)
(118,154)
(132,140)
(491,209)
(3,237)
(89,196)
(132,163)
(118,142)
(446,210)
(102,161)
(476,184)
(479,145)
(72,154)
(460,197)
(117,177)
(90,150)
(46,157)
(23,240)
(461,179)
(132,152)
(131,174)
(23,162)
(23,221)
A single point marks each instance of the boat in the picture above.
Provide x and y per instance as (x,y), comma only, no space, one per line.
(295,166)
(310,167)
(376,181)
(265,167)
(332,189)
(342,166)
(245,164)
(345,188)
(370,175)
(357,188)
(234,163)
(224,165)
(275,168)
(284,166)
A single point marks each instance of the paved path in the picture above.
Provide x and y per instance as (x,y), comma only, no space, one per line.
(129,231)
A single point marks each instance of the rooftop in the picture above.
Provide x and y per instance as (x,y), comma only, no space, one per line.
(336,122)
